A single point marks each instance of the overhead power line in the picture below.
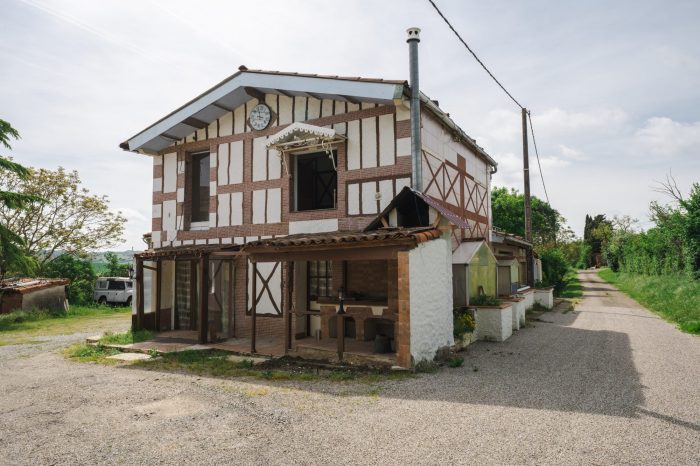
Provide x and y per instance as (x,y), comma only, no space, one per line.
(474,54)
(534,143)
(532,131)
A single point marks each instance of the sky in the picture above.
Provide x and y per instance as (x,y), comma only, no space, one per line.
(613,87)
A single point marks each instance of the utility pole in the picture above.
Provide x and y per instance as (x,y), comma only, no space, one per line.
(528,207)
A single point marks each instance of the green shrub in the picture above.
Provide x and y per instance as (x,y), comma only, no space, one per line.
(463,322)
(484,300)
(80,273)
(554,268)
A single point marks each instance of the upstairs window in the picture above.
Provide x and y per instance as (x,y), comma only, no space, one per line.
(199,187)
(315,181)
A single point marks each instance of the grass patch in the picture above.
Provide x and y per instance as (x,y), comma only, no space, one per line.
(572,286)
(676,299)
(216,364)
(126,338)
(88,353)
(26,327)
(20,320)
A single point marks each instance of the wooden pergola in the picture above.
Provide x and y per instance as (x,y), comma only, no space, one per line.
(198,256)
(383,244)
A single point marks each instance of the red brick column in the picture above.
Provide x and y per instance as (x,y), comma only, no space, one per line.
(403,338)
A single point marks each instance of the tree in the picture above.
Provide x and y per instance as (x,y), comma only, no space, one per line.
(72,220)
(508,207)
(80,273)
(114,267)
(12,257)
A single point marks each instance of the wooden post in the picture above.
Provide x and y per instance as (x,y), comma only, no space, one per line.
(340,334)
(159,271)
(287,293)
(203,301)
(528,207)
(254,310)
(193,294)
(140,294)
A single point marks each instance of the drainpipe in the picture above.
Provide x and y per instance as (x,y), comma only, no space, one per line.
(416,165)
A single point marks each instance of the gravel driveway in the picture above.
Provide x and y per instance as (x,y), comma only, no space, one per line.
(610,383)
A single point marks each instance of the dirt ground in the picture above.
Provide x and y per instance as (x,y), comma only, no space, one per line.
(610,383)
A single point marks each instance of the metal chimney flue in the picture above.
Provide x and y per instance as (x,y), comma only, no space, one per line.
(413,37)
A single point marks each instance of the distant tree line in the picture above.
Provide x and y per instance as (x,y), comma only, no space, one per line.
(670,247)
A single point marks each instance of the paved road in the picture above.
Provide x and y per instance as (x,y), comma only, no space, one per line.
(608,384)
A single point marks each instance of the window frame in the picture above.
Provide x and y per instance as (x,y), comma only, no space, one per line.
(200,217)
(327,277)
(294,206)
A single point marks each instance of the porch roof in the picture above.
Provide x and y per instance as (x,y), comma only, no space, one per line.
(188,251)
(336,243)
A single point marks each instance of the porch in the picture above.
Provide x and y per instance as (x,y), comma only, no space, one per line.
(336,296)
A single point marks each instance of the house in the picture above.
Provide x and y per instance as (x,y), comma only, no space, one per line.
(286,212)
(28,294)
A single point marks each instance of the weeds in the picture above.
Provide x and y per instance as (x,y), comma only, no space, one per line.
(455,362)
(126,338)
(675,298)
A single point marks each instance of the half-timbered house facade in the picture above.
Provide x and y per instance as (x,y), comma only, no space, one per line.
(272,196)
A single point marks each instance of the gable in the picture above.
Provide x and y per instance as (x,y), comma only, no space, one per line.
(299,94)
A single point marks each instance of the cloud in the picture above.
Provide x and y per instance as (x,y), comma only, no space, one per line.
(668,138)
(571,153)
(556,119)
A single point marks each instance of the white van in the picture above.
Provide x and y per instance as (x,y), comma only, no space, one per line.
(114,290)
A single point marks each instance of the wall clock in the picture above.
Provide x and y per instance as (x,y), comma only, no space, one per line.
(260,117)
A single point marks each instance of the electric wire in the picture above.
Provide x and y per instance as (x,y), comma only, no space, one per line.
(534,144)
(532,130)
(474,54)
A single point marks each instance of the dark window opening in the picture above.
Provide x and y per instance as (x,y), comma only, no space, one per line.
(199,185)
(320,279)
(316,181)
(115,285)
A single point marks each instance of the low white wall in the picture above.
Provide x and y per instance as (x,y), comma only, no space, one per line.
(545,297)
(494,324)
(529,299)
(518,314)
(430,288)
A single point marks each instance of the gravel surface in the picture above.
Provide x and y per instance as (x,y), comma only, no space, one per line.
(608,384)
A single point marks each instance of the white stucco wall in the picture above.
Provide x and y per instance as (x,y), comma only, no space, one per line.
(430,288)
(545,297)
(518,314)
(494,324)
(529,299)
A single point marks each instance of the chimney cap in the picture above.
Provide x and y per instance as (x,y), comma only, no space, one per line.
(413,34)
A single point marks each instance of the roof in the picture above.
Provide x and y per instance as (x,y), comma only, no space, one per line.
(500,236)
(466,251)
(429,200)
(298,132)
(241,86)
(29,285)
(192,250)
(344,238)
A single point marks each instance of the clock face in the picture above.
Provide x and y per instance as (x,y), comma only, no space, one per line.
(260,117)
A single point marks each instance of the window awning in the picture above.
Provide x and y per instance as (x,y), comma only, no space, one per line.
(299,136)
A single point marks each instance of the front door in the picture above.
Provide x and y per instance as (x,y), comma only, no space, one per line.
(185,295)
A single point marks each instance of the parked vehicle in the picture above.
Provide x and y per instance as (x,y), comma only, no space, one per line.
(114,290)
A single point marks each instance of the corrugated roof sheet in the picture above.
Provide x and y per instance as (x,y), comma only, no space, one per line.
(28,285)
